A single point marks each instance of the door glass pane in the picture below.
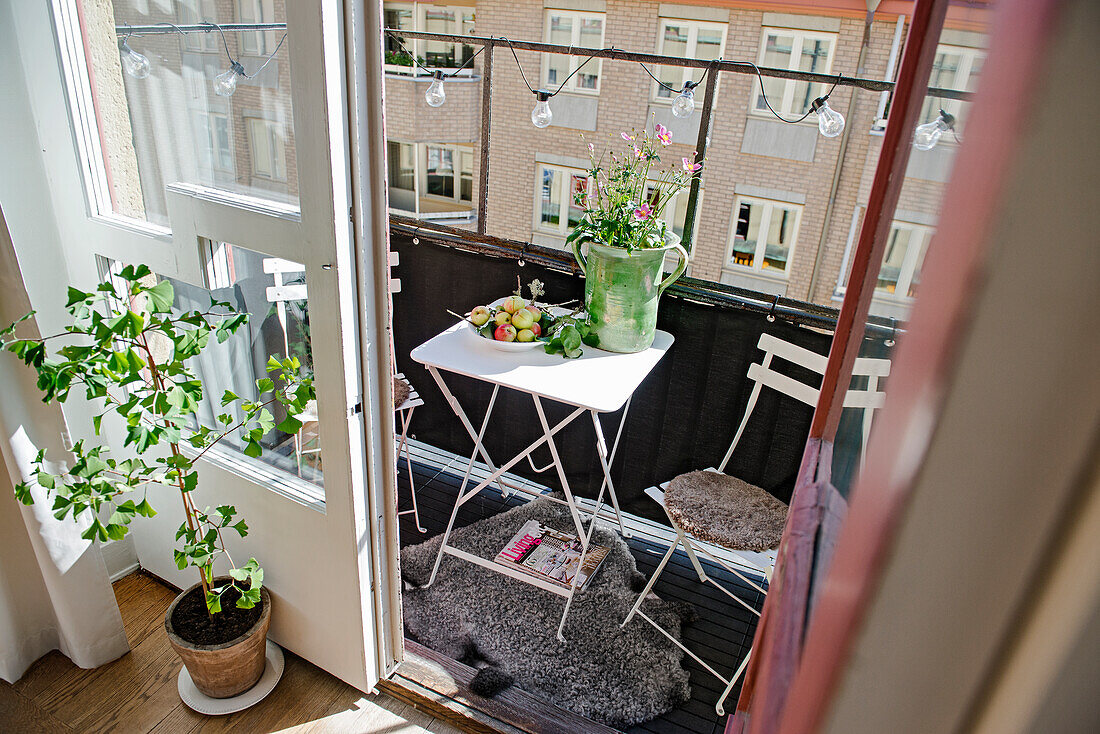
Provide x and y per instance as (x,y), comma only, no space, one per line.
(780,238)
(273,292)
(440,53)
(778,51)
(400,160)
(561,33)
(674,42)
(892,261)
(147,127)
(441,172)
(398,49)
(550,198)
(746,233)
(578,190)
(815,58)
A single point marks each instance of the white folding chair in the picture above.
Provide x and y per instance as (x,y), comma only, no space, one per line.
(405,411)
(719,514)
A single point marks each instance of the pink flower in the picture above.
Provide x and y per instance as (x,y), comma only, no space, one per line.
(637,152)
(626,137)
(689,167)
(642,212)
(663,134)
(591,148)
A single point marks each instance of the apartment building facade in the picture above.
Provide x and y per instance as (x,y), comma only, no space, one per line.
(780,206)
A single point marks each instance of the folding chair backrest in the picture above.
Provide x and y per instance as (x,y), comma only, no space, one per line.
(764,375)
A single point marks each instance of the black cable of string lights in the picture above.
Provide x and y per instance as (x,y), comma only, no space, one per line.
(541,92)
(433,72)
(234,63)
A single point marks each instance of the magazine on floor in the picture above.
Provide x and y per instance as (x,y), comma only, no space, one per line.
(551,555)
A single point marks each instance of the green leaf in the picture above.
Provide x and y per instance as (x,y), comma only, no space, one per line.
(161,297)
(144,509)
(76,296)
(241,527)
(290,425)
(115,531)
(249,599)
(228,397)
(46,480)
(238,574)
(273,364)
(253,449)
(265,384)
(213,603)
(190,481)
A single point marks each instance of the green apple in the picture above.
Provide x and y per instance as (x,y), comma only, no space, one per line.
(513,303)
(505,333)
(480,316)
(522,319)
(502,318)
(525,335)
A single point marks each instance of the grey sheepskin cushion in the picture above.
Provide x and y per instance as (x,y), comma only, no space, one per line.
(401,391)
(726,511)
(508,629)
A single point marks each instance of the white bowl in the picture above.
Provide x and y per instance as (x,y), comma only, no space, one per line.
(511,346)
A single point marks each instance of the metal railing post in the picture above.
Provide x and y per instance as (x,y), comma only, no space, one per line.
(486,119)
(700,154)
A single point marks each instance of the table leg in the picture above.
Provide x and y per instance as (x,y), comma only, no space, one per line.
(606,459)
(561,469)
(479,446)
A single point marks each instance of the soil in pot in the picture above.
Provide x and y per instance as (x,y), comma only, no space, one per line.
(193,623)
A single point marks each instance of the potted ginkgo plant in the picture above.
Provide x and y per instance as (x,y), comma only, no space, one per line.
(128,351)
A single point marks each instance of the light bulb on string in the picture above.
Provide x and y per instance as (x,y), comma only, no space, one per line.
(135,64)
(226,82)
(684,104)
(927,135)
(435,94)
(541,115)
(830,123)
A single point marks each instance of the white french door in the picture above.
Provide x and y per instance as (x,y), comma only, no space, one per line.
(249,197)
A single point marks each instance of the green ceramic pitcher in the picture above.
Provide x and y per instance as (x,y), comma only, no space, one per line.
(621,290)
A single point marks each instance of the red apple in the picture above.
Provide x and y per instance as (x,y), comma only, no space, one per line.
(535,312)
(505,333)
(536,329)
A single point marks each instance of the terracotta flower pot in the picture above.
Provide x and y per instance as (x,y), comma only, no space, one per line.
(230,668)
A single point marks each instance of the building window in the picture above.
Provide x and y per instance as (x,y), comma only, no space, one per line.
(193,12)
(763,234)
(268,148)
(568,28)
(557,210)
(955,67)
(784,48)
(430,18)
(448,172)
(903,260)
(212,133)
(675,211)
(259,43)
(402,165)
(688,40)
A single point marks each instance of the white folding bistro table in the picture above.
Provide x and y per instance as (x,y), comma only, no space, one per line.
(596,382)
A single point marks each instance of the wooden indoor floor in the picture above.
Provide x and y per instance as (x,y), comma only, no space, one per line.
(137,692)
(721,636)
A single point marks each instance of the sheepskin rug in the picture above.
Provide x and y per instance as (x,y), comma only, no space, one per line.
(508,629)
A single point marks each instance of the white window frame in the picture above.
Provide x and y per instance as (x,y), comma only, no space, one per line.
(757,265)
(274,140)
(259,43)
(458,173)
(962,82)
(198,42)
(573,61)
(356,530)
(659,93)
(415,46)
(924,233)
(565,192)
(784,104)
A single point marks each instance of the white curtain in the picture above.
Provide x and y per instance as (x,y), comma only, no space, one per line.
(54,590)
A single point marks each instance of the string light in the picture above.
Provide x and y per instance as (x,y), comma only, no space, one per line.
(830,123)
(225,84)
(927,135)
(135,64)
(542,115)
(684,104)
(435,95)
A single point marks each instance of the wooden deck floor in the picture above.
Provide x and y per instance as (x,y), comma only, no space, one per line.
(721,636)
(137,692)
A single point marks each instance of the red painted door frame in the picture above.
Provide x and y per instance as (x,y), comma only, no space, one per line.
(800,702)
(778,645)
